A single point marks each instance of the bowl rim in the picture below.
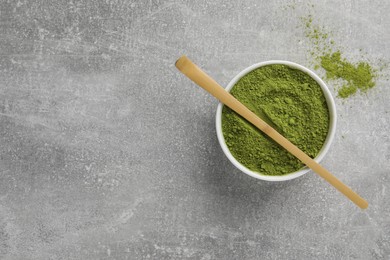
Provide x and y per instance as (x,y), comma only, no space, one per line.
(329,138)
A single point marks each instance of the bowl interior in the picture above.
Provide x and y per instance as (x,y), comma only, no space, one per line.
(328,140)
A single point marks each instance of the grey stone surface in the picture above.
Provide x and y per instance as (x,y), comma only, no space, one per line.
(107,152)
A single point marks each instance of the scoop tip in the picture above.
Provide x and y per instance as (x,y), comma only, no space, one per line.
(180,63)
(364,205)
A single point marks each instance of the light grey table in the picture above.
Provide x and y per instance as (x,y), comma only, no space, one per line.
(108,152)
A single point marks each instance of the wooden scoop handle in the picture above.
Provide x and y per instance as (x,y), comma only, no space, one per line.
(193,72)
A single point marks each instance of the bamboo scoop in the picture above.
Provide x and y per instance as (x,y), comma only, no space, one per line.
(193,72)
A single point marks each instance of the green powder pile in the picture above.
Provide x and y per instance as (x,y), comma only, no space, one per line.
(354,76)
(295,105)
(359,76)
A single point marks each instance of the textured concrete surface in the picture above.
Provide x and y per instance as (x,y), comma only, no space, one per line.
(107,152)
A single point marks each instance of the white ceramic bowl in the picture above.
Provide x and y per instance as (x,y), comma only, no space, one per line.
(328,140)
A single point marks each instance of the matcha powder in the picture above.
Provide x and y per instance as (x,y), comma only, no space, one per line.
(355,77)
(360,76)
(292,102)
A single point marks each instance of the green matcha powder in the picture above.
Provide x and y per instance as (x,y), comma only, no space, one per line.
(359,76)
(292,102)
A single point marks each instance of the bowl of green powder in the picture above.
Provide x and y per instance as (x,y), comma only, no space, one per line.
(290,98)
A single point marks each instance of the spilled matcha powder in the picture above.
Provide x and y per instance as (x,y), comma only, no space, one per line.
(354,76)
(359,76)
(295,105)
